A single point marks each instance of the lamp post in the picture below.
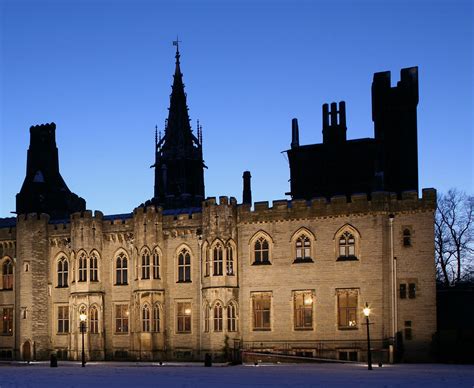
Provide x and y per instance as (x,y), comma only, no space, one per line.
(83,318)
(366,311)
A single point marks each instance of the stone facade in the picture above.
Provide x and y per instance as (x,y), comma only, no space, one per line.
(36,245)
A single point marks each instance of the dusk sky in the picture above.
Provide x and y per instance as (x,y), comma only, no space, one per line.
(102,71)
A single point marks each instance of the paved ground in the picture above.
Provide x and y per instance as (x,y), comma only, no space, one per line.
(70,374)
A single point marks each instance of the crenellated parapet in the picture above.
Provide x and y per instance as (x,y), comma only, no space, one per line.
(219,219)
(337,206)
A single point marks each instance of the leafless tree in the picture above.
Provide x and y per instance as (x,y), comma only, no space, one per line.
(454,237)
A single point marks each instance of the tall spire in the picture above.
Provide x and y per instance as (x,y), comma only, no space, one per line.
(179,176)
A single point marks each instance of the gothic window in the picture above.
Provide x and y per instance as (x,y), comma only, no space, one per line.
(347,308)
(303,310)
(145,318)
(184,266)
(183,317)
(406,238)
(7,274)
(261,306)
(217,260)
(231,317)
(206,318)
(83,268)
(146,265)
(156,319)
(121,318)
(208,263)
(403,291)
(347,244)
(63,272)
(156,264)
(411,290)
(261,251)
(94,320)
(303,248)
(218,318)
(121,269)
(94,267)
(63,319)
(229,260)
(7,321)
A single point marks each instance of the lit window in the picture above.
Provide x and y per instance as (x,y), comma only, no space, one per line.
(218,317)
(156,318)
(146,265)
(63,271)
(347,247)
(145,319)
(183,317)
(83,268)
(303,305)
(347,308)
(63,319)
(231,317)
(184,266)
(262,251)
(156,264)
(121,318)
(217,260)
(230,260)
(261,304)
(121,270)
(94,267)
(94,320)
(303,249)
(406,238)
(7,273)
(7,321)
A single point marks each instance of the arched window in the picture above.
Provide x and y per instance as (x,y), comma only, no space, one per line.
(184,266)
(83,268)
(347,246)
(146,265)
(94,320)
(231,317)
(208,262)
(7,273)
(145,319)
(218,317)
(156,318)
(261,251)
(229,260)
(206,318)
(121,269)
(303,248)
(217,260)
(406,238)
(63,272)
(94,267)
(156,264)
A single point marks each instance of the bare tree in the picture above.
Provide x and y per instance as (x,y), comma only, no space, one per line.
(454,237)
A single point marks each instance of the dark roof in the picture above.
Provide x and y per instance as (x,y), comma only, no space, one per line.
(9,222)
(123,216)
(187,210)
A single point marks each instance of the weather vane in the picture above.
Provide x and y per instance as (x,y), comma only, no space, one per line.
(176,43)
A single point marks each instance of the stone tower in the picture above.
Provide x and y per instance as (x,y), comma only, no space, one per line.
(179,174)
(44,190)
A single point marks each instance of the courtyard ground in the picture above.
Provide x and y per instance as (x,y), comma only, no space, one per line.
(101,374)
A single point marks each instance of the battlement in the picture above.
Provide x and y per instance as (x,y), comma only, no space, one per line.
(87,214)
(379,201)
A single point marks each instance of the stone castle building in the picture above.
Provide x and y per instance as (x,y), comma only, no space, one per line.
(182,276)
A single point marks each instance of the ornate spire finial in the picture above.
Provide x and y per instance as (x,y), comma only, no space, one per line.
(176,43)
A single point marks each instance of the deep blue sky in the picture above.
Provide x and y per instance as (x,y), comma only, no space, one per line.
(102,71)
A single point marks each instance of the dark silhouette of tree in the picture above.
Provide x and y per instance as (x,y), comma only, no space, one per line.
(454,237)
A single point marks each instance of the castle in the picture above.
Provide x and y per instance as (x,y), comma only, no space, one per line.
(182,275)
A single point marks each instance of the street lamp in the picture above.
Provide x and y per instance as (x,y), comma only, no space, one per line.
(83,318)
(366,311)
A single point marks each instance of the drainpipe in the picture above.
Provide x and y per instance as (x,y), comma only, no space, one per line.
(200,294)
(393,272)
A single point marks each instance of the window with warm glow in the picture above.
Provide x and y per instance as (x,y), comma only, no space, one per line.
(63,319)
(183,317)
(347,308)
(121,318)
(7,321)
(7,274)
(303,309)
(261,305)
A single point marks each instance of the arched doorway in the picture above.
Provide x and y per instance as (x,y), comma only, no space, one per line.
(26,351)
